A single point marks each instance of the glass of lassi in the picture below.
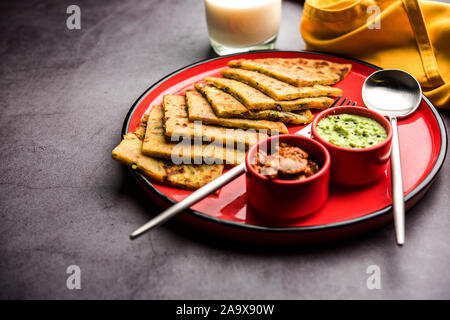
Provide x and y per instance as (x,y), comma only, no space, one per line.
(242,25)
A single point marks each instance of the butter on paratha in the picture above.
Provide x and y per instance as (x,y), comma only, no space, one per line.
(297,71)
(184,176)
(255,100)
(200,110)
(176,123)
(156,144)
(277,89)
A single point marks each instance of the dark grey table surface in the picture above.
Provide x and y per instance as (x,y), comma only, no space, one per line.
(63,201)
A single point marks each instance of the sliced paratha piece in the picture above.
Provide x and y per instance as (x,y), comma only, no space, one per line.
(277,89)
(255,100)
(223,104)
(299,72)
(200,110)
(156,144)
(298,117)
(235,108)
(176,123)
(250,97)
(187,176)
(319,103)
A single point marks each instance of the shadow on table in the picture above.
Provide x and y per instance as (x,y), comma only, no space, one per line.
(264,249)
(133,192)
(383,236)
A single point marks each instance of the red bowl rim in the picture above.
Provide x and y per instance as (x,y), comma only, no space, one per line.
(321,172)
(351,109)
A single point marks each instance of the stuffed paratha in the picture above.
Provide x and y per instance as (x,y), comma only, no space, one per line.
(277,89)
(129,152)
(200,110)
(297,71)
(255,100)
(156,144)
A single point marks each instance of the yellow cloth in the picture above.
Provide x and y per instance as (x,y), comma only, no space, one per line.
(413,36)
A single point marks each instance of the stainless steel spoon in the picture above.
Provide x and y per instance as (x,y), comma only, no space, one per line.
(394,94)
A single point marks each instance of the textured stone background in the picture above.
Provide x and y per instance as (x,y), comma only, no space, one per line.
(63,201)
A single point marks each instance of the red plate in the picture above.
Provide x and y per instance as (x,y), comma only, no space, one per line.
(348,211)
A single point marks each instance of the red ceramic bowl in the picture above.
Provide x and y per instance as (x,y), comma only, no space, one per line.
(277,200)
(356,166)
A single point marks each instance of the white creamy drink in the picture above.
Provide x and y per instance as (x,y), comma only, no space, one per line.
(242,23)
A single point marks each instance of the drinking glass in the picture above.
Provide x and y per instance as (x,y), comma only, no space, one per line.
(242,25)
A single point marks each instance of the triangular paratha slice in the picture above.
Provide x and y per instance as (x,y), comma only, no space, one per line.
(156,144)
(187,176)
(277,89)
(255,100)
(297,117)
(299,72)
(176,123)
(225,105)
(200,110)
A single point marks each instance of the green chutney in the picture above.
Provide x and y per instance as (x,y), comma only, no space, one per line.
(351,131)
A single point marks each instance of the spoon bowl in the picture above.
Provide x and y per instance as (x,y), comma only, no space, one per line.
(393,93)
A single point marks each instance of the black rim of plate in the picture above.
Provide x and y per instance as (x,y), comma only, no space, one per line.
(233,224)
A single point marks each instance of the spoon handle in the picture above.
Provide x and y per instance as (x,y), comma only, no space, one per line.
(398,203)
(190,200)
